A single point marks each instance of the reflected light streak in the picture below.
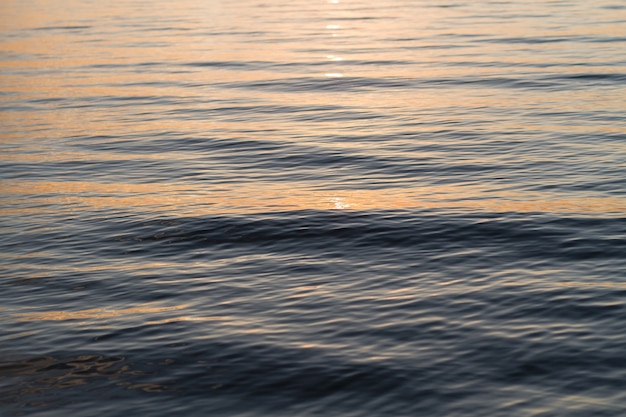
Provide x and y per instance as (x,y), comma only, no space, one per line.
(257,197)
(95,313)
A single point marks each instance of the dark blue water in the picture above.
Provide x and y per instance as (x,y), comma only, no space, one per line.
(342,208)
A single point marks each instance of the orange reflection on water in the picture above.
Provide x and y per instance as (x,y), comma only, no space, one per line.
(259,197)
(94,313)
(65,61)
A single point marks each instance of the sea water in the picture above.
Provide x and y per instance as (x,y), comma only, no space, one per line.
(313,208)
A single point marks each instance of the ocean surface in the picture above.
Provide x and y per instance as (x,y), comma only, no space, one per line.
(347,208)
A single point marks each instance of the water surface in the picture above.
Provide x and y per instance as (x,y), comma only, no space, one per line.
(344,207)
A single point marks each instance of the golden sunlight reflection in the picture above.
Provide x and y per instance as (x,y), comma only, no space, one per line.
(83,118)
(340,203)
(259,197)
(94,313)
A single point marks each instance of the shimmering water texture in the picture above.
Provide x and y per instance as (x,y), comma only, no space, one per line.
(313,208)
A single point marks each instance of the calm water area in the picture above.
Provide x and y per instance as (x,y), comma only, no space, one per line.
(347,208)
